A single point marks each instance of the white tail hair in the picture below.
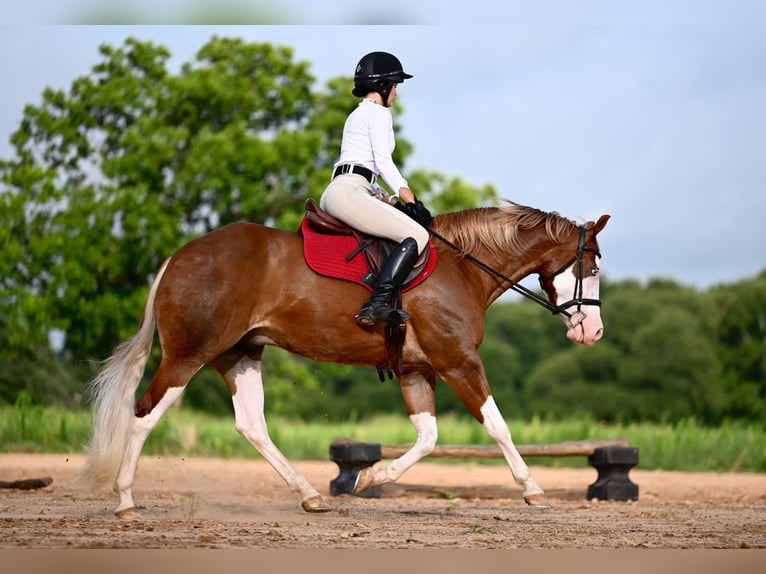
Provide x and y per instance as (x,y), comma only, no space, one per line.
(113,393)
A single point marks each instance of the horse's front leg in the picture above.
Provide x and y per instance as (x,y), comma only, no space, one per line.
(419,398)
(497,428)
(469,381)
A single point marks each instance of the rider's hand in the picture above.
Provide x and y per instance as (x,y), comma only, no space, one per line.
(417,211)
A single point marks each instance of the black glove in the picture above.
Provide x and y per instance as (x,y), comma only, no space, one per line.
(416,211)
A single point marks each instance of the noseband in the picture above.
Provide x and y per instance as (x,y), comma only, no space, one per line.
(572,319)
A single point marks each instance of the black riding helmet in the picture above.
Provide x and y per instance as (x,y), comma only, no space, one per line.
(378,72)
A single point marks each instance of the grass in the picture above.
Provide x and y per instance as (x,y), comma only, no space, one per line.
(685,445)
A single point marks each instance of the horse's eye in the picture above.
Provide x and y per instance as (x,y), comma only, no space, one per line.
(594,271)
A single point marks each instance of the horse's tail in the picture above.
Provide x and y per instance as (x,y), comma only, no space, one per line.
(113,393)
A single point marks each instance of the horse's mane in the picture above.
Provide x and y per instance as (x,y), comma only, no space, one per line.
(497,228)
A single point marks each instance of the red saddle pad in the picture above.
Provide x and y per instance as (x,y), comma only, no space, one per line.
(326,255)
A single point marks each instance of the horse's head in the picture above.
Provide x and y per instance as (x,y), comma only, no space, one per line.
(571,281)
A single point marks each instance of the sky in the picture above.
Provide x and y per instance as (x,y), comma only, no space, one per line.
(658,121)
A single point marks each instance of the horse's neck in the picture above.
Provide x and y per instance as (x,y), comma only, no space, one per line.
(513,270)
(491,269)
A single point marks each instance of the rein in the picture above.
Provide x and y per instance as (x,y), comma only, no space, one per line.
(577,298)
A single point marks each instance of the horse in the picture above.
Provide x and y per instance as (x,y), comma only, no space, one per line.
(222,297)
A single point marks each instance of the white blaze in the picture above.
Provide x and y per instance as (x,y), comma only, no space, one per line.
(591,328)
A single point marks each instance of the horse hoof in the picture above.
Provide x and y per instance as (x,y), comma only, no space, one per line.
(315,504)
(128,514)
(363,481)
(536,501)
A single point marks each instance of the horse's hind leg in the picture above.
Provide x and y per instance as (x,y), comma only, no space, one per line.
(164,390)
(419,398)
(243,375)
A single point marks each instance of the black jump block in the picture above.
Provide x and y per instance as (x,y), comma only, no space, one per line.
(351,458)
(613,465)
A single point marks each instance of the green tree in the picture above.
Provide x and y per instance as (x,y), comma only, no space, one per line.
(740,332)
(43,377)
(115,175)
(672,369)
(576,382)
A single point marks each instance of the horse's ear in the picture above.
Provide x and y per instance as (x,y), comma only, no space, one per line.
(600,224)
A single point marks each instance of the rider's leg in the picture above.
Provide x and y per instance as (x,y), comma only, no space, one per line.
(391,276)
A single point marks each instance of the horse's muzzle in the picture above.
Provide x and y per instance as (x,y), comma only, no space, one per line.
(584,329)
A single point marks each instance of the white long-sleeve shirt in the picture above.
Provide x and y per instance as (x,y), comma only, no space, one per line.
(368,140)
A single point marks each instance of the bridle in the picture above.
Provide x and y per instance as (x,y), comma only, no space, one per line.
(573,319)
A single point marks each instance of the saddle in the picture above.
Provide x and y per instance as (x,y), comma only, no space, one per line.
(333,249)
(374,250)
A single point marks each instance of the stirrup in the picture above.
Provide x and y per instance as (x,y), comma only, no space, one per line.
(369,316)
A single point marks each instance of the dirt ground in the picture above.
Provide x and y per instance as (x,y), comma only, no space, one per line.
(214,503)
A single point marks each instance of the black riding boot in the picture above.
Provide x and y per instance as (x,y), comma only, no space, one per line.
(394,272)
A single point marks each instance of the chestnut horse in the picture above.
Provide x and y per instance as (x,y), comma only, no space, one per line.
(223,297)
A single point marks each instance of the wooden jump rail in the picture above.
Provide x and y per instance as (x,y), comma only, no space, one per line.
(612,458)
(568,448)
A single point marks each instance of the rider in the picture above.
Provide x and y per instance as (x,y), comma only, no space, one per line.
(353,195)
